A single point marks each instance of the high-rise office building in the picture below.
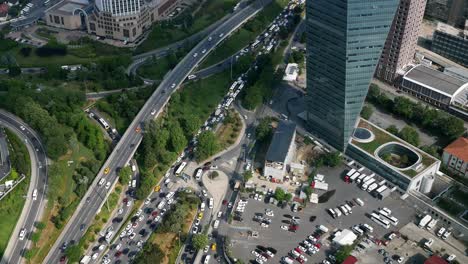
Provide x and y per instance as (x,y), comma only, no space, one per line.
(344,41)
(401,40)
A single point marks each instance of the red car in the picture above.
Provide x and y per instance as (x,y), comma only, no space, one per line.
(118,254)
(63,259)
(125,200)
(298,250)
(225,202)
(300,260)
(154,214)
(317,245)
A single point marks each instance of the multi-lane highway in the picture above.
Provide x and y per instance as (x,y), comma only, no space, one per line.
(126,147)
(32,208)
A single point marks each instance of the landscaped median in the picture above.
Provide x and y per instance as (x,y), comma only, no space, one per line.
(11,206)
(164,245)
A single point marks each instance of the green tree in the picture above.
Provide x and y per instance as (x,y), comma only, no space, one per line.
(151,254)
(409,135)
(40,225)
(200,241)
(343,253)
(208,145)
(73,253)
(14,71)
(35,237)
(247,175)
(190,124)
(263,130)
(177,138)
(282,195)
(297,56)
(213,175)
(331,159)
(392,129)
(125,174)
(367,111)
(403,106)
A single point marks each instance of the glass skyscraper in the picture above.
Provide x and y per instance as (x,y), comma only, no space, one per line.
(344,42)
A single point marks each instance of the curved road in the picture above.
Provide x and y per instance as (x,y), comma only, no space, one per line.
(32,210)
(126,147)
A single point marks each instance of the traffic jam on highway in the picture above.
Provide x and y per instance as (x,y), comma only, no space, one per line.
(119,244)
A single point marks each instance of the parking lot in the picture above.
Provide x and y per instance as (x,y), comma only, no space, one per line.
(283,241)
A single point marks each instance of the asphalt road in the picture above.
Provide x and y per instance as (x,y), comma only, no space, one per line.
(5,165)
(32,209)
(126,147)
(34,15)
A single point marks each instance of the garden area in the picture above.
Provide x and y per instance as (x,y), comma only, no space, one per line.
(229,130)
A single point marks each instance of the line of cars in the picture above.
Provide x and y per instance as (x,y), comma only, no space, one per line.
(345,208)
(310,245)
(263,254)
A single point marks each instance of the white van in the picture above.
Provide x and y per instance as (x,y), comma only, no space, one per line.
(210,204)
(323,228)
(337,211)
(202,207)
(34,195)
(357,230)
(207,259)
(359,201)
(367,227)
(331,212)
(344,210)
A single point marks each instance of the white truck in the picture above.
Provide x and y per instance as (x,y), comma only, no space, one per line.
(424,221)
(431,224)
(372,187)
(367,183)
(85,259)
(323,228)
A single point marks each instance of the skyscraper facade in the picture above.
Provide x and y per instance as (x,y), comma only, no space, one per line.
(344,41)
(401,40)
(119,7)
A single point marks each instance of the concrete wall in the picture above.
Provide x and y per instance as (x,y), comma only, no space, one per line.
(69,22)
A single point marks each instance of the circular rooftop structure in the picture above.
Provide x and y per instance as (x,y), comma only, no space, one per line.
(363,135)
(397,155)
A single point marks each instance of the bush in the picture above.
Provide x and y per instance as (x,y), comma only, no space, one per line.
(52,48)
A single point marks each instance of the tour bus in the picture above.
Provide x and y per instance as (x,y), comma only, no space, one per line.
(181,168)
(367,183)
(372,187)
(379,220)
(381,189)
(104,123)
(393,220)
(389,212)
(369,228)
(350,172)
(361,178)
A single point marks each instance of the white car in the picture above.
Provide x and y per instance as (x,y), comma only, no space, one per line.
(141,218)
(204,192)
(139,212)
(205,250)
(210,38)
(22,234)
(118,246)
(195,55)
(216,224)
(123,234)
(220,213)
(221,35)
(195,229)
(157,218)
(197,222)
(132,235)
(101,247)
(153,112)
(173,85)
(203,51)
(101,182)
(108,184)
(95,256)
(451,257)
(120,211)
(147,201)
(284,227)
(22,128)
(106,261)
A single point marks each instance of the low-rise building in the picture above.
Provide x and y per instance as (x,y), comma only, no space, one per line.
(435,87)
(70,14)
(281,151)
(455,156)
(291,72)
(344,237)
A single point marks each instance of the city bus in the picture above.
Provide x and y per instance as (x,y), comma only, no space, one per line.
(181,168)
(104,123)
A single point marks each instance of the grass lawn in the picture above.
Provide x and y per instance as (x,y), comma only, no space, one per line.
(12,205)
(245,34)
(162,35)
(155,70)
(61,184)
(200,97)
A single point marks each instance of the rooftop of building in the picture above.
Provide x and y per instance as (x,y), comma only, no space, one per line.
(458,148)
(442,27)
(67,7)
(281,141)
(382,137)
(461,73)
(435,80)
(435,260)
